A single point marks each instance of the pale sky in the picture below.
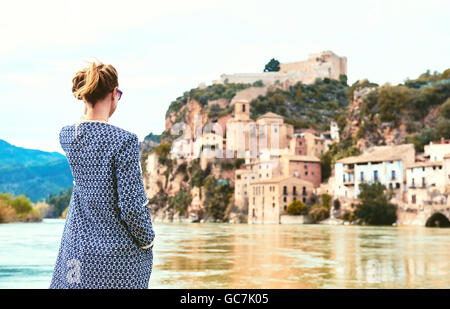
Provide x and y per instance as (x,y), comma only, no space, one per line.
(163,48)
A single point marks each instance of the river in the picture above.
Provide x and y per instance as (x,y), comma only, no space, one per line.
(212,255)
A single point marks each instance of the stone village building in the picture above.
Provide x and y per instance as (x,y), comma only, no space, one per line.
(386,164)
(269,198)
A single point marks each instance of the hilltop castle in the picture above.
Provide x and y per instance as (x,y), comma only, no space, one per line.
(325,64)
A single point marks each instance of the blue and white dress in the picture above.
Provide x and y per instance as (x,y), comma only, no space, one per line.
(108,234)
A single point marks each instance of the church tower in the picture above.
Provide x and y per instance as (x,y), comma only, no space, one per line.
(242,110)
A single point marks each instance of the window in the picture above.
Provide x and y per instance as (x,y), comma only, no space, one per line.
(294,190)
(393,175)
(375,175)
(284,199)
(304,200)
(306,173)
(304,191)
(397,185)
(243,107)
(285,190)
(413,199)
(361,177)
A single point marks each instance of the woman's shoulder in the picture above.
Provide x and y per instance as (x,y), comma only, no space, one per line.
(122,134)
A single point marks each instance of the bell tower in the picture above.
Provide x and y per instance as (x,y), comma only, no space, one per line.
(242,110)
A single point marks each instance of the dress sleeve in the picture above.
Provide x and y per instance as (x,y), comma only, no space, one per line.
(132,201)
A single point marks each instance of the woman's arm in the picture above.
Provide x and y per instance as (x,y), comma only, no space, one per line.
(132,202)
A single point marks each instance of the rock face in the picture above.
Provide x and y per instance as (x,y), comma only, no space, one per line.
(373,132)
(163,180)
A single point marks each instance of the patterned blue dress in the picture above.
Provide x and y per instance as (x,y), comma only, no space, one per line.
(108,234)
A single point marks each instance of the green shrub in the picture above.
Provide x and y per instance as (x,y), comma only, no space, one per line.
(238,162)
(374,207)
(181,201)
(348,216)
(22,204)
(7,213)
(296,208)
(326,200)
(319,213)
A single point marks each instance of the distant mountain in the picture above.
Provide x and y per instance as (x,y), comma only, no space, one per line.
(153,137)
(32,172)
(149,142)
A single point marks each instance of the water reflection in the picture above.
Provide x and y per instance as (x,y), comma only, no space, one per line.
(305,256)
(254,256)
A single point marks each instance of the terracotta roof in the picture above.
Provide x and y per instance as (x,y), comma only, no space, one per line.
(301,158)
(379,153)
(282,178)
(269,115)
(425,164)
(309,130)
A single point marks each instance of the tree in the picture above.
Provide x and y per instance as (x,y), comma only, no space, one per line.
(217,198)
(298,93)
(374,207)
(60,201)
(181,201)
(238,162)
(445,109)
(326,200)
(296,208)
(272,66)
(22,204)
(319,212)
(343,79)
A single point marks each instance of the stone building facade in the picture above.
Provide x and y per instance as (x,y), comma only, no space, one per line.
(325,64)
(268,199)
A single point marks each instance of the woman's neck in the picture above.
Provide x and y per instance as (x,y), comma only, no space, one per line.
(99,112)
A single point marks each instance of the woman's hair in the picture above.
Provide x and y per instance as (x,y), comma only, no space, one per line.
(94,82)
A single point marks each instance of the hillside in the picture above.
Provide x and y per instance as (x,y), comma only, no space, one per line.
(302,105)
(34,173)
(367,114)
(177,186)
(416,111)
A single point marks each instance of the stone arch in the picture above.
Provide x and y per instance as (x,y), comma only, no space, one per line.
(437,220)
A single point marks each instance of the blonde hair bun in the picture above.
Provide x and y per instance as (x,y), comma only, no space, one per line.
(94,82)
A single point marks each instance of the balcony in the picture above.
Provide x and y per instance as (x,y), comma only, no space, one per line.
(349,182)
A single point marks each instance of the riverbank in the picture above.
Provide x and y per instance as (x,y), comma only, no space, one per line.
(18,209)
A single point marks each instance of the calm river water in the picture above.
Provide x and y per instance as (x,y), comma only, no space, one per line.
(207,255)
